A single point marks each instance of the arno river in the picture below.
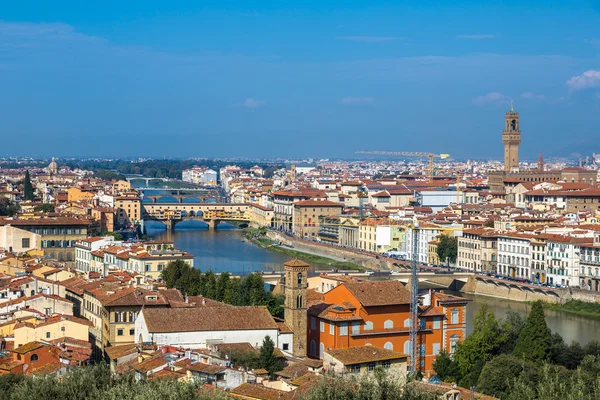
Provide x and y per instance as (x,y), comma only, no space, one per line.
(225,250)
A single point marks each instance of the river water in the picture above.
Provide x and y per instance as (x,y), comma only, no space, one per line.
(225,250)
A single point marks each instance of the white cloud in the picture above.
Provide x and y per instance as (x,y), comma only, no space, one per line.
(490,98)
(533,96)
(588,79)
(368,39)
(253,103)
(478,36)
(357,100)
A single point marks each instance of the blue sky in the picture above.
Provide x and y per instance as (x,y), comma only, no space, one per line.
(297,79)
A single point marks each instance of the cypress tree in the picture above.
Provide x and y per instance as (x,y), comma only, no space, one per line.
(27,187)
(534,340)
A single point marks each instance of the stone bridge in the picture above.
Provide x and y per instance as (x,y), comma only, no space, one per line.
(199,194)
(210,213)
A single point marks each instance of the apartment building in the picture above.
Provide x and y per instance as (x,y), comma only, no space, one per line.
(514,255)
(378,313)
(306,216)
(478,250)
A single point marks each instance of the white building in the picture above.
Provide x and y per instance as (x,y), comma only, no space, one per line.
(84,249)
(425,234)
(202,327)
(18,241)
(514,255)
(563,256)
(199,175)
(437,199)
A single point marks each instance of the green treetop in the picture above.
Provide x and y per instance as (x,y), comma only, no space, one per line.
(534,341)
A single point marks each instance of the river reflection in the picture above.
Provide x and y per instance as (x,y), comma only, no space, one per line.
(570,327)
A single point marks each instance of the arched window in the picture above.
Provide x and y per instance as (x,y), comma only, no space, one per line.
(300,278)
(388,346)
(453,341)
(69,257)
(313,348)
(408,323)
(299,302)
(407,347)
(61,257)
(368,326)
(34,357)
(389,324)
(321,349)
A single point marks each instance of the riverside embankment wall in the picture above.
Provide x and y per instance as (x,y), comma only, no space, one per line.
(338,253)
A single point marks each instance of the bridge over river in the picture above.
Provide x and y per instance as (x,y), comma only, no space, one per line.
(210,213)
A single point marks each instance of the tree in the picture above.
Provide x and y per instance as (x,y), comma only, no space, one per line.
(222,283)
(447,248)
(115,235)
(267,358)
(445,368)
(512,325)
(500,372)
(484,342)
(7,207)
(534,340)
(175,275)
(45,208)
(27,187)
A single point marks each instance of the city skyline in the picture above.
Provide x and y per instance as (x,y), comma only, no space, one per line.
(304,80)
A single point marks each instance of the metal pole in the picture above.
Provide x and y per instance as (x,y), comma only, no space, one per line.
(414,303)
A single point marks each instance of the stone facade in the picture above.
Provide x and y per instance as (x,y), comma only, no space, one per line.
(511,138)
(296,285)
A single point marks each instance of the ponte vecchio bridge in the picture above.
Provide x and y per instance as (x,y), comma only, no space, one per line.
(210,213)
(201,194)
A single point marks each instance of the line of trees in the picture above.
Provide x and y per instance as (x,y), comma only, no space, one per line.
(246,291)
(160,168)
(98,383)
(519,358)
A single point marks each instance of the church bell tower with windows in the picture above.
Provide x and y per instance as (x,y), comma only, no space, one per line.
(511,138)
(296,284)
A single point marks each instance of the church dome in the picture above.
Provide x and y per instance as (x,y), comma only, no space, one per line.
(53,166)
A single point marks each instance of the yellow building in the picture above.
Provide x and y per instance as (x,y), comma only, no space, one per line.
(113,308)
(307,213)
(55,327)
(433,257)
(57,234)
(119,187)
(129,209)
(261,216)
(75,194)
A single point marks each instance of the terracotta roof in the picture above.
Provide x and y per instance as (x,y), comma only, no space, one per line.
(317,203)
(27,347)
(114,352)
(296,263)
(44,221)
(364,354)
(208,319)
(379,293)
(209,369)
(260,392)
(450,298)
(243,347)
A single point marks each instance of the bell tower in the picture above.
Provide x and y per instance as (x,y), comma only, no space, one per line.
(296,284)
(511,138)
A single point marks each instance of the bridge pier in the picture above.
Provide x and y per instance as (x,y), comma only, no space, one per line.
(170,223)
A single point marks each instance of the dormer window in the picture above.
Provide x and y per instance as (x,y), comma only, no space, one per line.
(151,298)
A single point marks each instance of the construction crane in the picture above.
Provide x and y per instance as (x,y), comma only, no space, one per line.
(431,156)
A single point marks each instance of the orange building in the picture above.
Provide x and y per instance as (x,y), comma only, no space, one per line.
(378,313)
